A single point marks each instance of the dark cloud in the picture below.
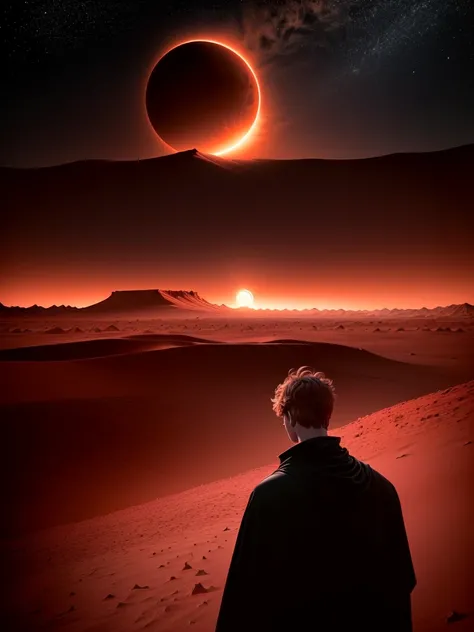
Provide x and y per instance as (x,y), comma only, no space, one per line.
(279,29)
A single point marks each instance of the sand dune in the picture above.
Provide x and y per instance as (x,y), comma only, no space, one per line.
(138,568)
(85,437)
(103,347)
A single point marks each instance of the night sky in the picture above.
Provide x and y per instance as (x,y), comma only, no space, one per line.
(338,78)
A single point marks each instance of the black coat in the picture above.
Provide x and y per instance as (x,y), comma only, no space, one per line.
(322,547)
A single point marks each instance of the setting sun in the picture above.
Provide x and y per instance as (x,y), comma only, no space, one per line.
(244,298)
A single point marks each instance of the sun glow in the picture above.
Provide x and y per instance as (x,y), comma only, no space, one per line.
(253,127)
(244,298)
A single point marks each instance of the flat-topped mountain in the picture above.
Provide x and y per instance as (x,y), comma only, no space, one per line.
(125,301)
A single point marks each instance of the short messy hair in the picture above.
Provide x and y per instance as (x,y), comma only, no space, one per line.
(307,395)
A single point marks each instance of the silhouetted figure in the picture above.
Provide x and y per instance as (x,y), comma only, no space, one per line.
(322,545)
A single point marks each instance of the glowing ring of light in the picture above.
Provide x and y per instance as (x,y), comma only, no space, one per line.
(257,115)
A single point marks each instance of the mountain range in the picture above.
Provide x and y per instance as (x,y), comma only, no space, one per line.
(159,303)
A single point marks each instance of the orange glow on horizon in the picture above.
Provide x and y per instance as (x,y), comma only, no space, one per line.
(82,292)
(252,129)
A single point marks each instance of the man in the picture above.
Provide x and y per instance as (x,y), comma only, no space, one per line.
(322,545)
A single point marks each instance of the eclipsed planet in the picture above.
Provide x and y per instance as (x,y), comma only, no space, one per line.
(204,95)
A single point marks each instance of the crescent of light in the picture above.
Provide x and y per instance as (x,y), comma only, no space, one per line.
(247,135)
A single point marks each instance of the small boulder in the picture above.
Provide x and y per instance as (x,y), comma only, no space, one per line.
(199,589)
(455,616)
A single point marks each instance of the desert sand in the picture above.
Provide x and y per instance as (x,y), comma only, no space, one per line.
(131,447)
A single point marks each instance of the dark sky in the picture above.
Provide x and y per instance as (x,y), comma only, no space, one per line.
(339,78)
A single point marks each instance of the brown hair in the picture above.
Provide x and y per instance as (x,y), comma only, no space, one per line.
(307,395)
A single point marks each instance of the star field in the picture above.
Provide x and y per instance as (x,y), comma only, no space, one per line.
(37,29)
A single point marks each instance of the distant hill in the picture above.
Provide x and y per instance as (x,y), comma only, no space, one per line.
(124,302)
(101,209)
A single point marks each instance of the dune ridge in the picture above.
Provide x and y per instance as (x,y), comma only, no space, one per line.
(102,347)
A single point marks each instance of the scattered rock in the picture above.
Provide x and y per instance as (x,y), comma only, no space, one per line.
(109,596)
(186,566)
(138,587)
(122,604)
(199,589)
(455,616)
(227,529)
(204,557)
(172,578)
(467,443)
(111,328)
(55,330)
(401,456)
(161,566)
(201,572)
(70,609)
(203,603)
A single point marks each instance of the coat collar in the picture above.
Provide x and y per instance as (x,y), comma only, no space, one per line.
(314,448)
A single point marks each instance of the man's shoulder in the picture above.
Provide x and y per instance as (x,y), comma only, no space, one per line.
(383,485)
(271,486)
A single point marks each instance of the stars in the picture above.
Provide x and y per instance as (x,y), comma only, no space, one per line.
(380,30)
(44,28)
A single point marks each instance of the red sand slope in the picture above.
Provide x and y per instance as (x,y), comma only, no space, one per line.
(114,573)
(84,437)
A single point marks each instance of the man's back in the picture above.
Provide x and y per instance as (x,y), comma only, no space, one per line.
(322,546)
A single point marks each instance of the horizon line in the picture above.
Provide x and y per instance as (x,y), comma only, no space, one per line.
(245,309)
(193,151)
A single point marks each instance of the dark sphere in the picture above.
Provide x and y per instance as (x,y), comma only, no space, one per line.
(202,95)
